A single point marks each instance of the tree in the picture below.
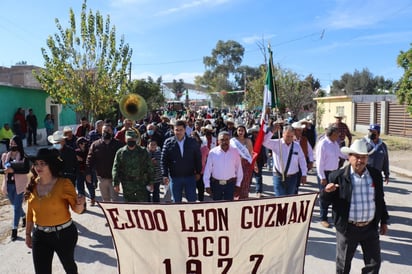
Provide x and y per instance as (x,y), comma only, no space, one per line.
(361,83)
(178,88)
(221,67)
(150,90)
(404,91)
(295,94)
(85,71)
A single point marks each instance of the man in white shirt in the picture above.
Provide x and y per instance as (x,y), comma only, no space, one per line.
(288,157)
(223,172)
(327,160)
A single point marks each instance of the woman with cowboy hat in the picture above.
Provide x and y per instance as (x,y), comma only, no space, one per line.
(49,226)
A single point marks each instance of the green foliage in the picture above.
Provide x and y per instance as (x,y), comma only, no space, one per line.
(84,67)
(295,94)
(222,66)
(404,92)
(150,91)
(178,88)
(361,83)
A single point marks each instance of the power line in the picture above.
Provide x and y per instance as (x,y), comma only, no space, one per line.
(247,51)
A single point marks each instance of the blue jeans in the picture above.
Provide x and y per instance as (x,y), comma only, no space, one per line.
(188,184)
(17,201)
(259,179)
(80,181)
(290,184)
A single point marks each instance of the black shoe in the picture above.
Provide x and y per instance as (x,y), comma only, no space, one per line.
(14,234)
(23,222)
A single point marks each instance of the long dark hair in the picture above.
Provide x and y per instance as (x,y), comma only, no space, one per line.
(19,144)
(55,163)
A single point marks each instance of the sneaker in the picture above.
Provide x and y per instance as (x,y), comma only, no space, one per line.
(325,224)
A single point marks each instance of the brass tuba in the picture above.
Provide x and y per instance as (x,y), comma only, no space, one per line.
(133,106)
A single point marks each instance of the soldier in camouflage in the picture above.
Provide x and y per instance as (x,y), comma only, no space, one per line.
(133,169)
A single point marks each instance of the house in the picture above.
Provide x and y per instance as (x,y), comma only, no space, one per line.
(19,88)
(362,110)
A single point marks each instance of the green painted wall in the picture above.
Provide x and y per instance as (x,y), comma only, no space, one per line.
(11,98)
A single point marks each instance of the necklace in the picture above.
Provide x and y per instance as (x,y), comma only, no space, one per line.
(44,190)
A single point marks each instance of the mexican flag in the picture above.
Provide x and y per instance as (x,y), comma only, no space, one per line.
(269,102)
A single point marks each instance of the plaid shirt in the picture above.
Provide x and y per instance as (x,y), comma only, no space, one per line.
(343,131)
(362,206)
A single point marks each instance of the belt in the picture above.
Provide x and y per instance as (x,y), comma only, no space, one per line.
(360,224)
(279,174)
(49,229)
(224,182)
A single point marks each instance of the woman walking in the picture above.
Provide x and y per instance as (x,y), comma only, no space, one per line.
(15,166)
(49,225)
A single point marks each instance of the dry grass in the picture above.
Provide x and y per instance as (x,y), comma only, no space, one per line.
(393,142)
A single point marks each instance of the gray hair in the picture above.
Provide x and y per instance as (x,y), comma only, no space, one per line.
(330,130)
(222,133)
(288,128)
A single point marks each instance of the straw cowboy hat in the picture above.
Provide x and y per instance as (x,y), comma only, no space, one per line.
(338,115)
(358,147)
(254,128)
(57,137)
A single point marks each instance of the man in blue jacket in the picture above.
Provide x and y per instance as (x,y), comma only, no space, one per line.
(181,161)
(359,209)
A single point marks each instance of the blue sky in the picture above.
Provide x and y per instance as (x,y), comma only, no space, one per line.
(169,38)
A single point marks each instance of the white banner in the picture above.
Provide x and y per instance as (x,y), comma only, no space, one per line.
(248,236)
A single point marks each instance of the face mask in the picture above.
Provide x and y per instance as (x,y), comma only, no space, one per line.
(372,136)
(131,143)
(107,136)
(14,148)
(57,146)
(150,132)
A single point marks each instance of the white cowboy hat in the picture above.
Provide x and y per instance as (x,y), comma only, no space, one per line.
(57,137)
(230,120)
(254,128)
(208,127)
(358,147)
(298,125)
(278,121)
(306,120)
(67,129)
(338,115)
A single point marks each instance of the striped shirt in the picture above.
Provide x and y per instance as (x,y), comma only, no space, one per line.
(362,206)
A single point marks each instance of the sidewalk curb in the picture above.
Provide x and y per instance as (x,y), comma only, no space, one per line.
(401,171)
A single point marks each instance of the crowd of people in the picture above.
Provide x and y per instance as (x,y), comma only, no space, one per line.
(191,155)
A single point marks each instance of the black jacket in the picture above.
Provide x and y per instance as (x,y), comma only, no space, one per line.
(174,164)
(341,198)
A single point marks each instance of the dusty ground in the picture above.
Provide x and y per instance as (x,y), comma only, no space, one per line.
(399,158)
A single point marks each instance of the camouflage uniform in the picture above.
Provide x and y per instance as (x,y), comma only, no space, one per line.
(134,170)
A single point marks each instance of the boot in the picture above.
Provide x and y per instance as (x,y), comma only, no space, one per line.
(14,234)
(23,221)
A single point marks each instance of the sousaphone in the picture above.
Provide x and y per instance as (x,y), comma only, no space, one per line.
(133,106)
